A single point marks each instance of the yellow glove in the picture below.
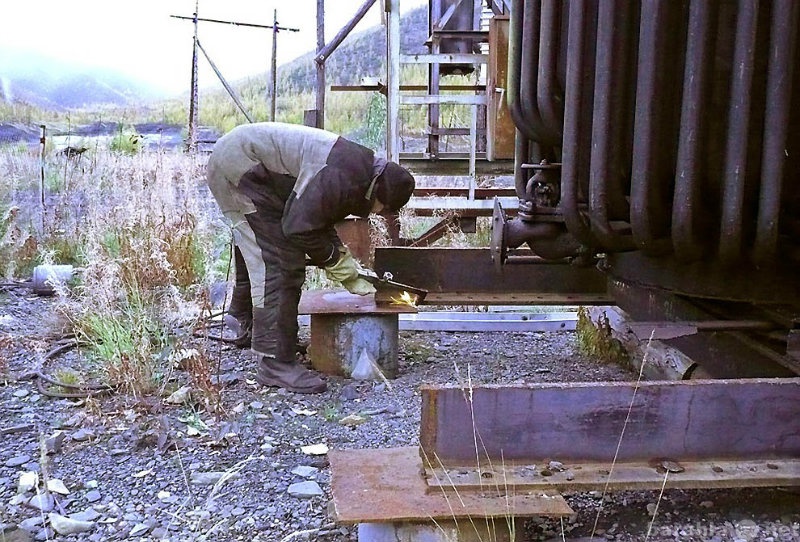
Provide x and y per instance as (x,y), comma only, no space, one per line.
(359,286)
(346,272)
(345,269)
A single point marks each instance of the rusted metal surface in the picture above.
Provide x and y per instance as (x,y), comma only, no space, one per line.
(676,125)
(726,354)
(521,298)
(355,233)
(671,330)
(341,302)
(387,485)
(620,476)
(683,421)
(467,271)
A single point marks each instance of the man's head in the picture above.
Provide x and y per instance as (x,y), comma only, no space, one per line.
(394,186)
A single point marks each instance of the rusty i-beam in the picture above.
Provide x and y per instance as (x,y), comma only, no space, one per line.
(697,434)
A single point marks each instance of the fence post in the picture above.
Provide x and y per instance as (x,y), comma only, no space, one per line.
(43,147)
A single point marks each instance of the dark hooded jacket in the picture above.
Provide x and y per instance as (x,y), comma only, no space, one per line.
(308,179)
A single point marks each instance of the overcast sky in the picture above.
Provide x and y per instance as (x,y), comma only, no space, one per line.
(139,38)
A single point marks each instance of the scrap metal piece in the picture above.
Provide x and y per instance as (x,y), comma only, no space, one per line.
(387,485)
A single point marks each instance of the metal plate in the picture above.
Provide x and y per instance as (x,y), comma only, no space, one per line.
(386,485)
(343,302)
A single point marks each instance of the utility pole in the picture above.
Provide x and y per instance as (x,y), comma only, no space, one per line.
(274,82)
(320,97)
(274,64)
(191,144)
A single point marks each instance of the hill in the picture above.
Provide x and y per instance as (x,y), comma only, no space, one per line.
(360,55)
(43,82)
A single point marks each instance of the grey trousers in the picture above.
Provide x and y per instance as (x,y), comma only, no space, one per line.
(269,278)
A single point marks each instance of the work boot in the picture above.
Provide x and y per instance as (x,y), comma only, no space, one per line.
(242,329)
(289,376)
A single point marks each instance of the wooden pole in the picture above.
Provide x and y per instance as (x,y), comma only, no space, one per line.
(191,143)
(274,91)
(320,102)
(393,80)
(43,145)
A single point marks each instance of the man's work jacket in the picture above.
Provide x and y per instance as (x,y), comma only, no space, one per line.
(306,178)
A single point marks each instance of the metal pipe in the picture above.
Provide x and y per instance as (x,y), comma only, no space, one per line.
(549,94)
(530,74)
(514,68)
(782,63)
(686,204)
(577,94)
(649,144)
(610,84)
(521,155)
(735,169)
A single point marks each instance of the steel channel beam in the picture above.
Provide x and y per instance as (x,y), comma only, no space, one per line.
(471,271)
(612,421)
(719,354)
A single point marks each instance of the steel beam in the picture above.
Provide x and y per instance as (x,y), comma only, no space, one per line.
(621,476)
(463,272)
(622,421)
(386,485)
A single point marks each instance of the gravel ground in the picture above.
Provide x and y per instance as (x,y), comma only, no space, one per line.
(148,470)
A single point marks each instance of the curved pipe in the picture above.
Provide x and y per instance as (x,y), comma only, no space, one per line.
(782,61)
(549,94)
(605,186)
(576,95)
(549,240)
(514,69)
(521,155)
(686,203)
(648,176)
(735,174)
(530,74)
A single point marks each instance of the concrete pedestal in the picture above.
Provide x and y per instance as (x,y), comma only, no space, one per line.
(464,530)
(351,333)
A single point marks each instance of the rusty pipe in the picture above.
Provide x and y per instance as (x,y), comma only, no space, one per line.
(548,240)
(549,96)
(515,38)
(735,170)
(578,92)
(651,140)
(783,59)
(530,73)
(605,184)
(686,205)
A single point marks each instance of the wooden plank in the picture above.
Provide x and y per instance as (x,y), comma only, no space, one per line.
(623,476)
(688,420)
(464,99)
(443,58)
(387,485)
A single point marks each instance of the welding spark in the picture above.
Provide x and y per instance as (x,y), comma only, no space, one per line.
(404,299)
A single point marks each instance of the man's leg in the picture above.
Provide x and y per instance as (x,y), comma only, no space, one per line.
(277,271)
(241,307)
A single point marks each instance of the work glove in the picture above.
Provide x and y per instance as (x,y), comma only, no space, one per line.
(346,271)
(359,286)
